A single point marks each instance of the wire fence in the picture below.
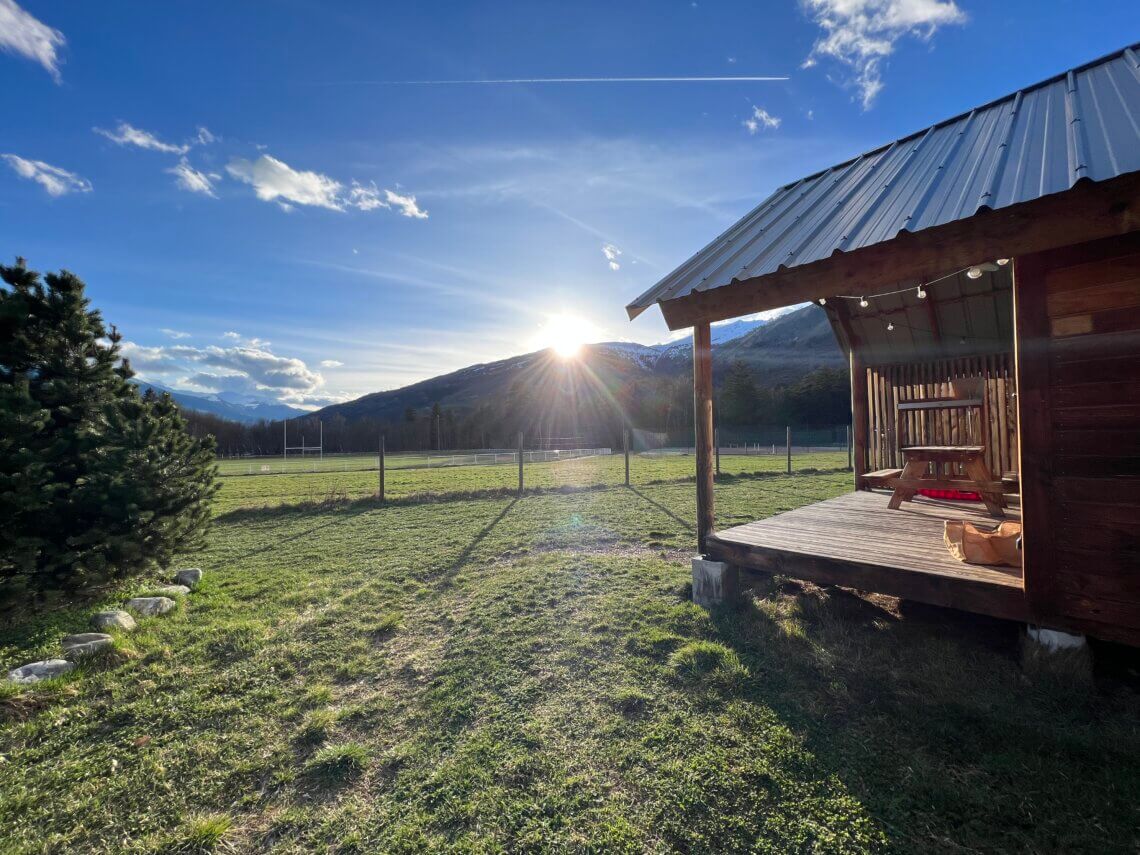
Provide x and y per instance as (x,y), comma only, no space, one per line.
(402,475)
(409,460)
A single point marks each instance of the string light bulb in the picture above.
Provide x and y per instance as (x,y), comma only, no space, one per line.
(921,293)
(863,303)
(1003,262)
(974,273)
(823,301)
(890,327)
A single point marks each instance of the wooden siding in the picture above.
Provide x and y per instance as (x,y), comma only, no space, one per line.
(1079,369)
(889,385)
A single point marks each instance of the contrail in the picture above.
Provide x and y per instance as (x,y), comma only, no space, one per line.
(523,80)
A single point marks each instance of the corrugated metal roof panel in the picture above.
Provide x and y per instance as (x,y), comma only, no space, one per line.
(1084,124)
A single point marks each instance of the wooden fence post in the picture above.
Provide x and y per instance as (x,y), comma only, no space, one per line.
(381,462)
(625,443)
(703,433)
(716,448)
(789,443)
(520,463)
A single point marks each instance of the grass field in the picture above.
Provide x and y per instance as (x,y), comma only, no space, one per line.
(486,674)
(232,466)
(405,482)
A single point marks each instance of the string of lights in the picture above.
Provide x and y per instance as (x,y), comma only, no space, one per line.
(973,272)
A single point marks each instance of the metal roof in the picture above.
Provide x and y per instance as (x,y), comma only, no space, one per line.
(1080,125)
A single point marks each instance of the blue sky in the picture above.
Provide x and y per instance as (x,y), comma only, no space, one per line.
(261,209)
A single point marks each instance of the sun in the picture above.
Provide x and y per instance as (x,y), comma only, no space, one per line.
(565,334)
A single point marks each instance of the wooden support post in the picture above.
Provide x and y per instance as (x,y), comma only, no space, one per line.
(716,448)
(859,421)
(520,463)
(849,447)
(1032,332)
(381,462)
(789,444)
(703,433)
(625,446)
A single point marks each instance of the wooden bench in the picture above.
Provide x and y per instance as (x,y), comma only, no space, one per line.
(878,478)
(923,464)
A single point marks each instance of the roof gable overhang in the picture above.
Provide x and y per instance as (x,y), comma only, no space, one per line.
(1088,211)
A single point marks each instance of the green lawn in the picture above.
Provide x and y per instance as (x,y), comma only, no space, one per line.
(485,674)
(404,482)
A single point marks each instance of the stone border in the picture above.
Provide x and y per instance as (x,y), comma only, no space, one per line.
(84,645)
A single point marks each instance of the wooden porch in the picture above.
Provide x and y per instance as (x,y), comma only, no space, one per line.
(857,542)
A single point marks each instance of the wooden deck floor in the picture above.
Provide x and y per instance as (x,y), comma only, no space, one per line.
(856,541)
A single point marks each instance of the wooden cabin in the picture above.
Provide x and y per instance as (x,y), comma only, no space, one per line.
(996,252)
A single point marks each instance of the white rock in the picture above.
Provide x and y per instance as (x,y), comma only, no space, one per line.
(33,672)
(150,606)
(116,619)
(86,644)
(171,590)
(188,576)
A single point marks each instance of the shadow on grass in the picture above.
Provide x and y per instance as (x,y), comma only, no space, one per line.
(461,559)
(928,719)
(353,511)
(686,524)
(248,514)
(368,503)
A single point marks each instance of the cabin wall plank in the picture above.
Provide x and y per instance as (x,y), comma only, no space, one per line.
(1079,330)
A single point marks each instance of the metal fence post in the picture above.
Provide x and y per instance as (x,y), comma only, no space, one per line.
(520,463)
(381,462)
(789,442)
(625,443)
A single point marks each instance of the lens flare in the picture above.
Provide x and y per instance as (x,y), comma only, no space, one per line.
(565,334)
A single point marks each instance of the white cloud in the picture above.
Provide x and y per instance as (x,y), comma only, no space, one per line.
(611,253)
(276,181)
(406,204)
(57,181)
(25,36)
(365,198)
(761,119)
(175,334)
(861,34)
(248,367)
(127,134)
(205,137)
(193,181)
(331,363)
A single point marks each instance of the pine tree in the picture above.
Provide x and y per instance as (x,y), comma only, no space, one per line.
(738,400)
(97,483)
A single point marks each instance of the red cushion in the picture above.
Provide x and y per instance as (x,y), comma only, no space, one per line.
(956,495)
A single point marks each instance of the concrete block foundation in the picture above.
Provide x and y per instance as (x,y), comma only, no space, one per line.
(714,582)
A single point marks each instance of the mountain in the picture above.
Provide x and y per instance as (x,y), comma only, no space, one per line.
(596,367)
(720,334)
(785,349)
(236,408)
(780,351)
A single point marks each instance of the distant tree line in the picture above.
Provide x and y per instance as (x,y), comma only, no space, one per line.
(583,413)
